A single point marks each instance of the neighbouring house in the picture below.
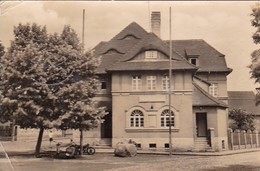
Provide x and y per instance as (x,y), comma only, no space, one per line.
(245,100)
(134,75)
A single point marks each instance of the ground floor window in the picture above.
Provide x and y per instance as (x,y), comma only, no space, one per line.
(165,119)
(137,119)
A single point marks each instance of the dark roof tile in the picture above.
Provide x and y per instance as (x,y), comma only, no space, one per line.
(210,60)
(201,98)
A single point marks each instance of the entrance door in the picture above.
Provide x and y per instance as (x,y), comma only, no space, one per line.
(106,126)
(201,124)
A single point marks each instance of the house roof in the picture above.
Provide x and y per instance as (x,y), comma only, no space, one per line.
(201,98)
(244,100)
(117,53)
(210,60)
(112,51)
(201,79)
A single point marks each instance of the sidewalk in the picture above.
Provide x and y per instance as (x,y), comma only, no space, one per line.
(29,147)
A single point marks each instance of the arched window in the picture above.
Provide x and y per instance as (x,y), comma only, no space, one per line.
(137,119)
(165,119)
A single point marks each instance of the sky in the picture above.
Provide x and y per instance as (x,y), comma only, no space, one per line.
(225,25)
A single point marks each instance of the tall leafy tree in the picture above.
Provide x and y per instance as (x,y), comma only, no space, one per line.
(49,81)
(255,56)
(28,100)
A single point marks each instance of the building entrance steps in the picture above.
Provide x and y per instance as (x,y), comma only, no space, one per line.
(201,144)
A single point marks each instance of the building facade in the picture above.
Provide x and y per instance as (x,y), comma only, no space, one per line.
(134,75)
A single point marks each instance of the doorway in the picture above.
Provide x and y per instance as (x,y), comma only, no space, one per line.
(106,126)
(201,124)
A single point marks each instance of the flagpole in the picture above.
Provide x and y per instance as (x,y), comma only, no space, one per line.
(170,89)
(83,29)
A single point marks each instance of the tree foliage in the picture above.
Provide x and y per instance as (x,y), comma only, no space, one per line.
(2,50)
(255,21)
(255,55)
(49,81)
(242,119)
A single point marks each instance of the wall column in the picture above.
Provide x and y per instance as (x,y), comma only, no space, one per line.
(212,138)
(231,138)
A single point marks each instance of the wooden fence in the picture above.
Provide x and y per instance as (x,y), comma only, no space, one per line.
(241,139)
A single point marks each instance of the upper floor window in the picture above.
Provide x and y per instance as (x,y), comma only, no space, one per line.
(151,82)
(213,89)
(165,82)
(165,119)
(103,85)
(194,61)
(136,82)
(151,54)
(137,119)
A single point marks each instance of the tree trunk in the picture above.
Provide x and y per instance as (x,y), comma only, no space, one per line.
(13,130)
(81,142)
(39,142)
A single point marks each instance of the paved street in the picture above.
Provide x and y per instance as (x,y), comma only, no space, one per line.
(21,159)
(237,162)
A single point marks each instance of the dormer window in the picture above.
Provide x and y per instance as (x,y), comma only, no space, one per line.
(192,54)
(151,54)
(194,61)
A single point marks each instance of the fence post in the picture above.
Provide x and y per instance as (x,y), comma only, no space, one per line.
(244,134)
(250,135)
(256,138)
(238,136)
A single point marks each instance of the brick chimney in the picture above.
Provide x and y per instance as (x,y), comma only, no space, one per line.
(156,23)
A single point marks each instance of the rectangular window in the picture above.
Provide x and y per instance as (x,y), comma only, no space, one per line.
(138,146)
(136,83)
(213,89)
(152,145)
(151,54)
(166,145)
(165,82)
(103,85)
(151,82)
(194,61)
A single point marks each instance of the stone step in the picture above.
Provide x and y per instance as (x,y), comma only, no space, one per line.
(201,144)
(103,147)
(105,141)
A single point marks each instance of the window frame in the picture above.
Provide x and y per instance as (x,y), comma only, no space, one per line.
(151,82)
(165,119)
(165,82)
(196,61)
(151,54)
(103,85)
(136,82)
(136,119)
(213,89)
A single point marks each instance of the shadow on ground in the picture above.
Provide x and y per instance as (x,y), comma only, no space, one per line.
(236,168)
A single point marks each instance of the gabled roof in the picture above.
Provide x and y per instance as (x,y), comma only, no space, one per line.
(130,42)
(244,100)
(201,98)
(119,44)
(210,60)
(150,42)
